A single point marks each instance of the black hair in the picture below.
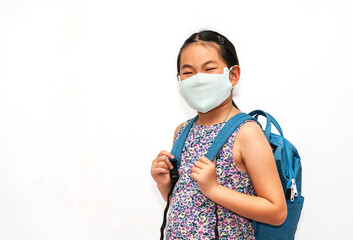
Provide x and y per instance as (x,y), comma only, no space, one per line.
(225,48)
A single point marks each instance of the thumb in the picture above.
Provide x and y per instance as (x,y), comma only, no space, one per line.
(213,161)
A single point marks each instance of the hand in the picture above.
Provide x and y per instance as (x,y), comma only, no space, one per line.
(204,173)
(160,169)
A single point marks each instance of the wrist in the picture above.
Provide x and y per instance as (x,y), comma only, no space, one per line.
(164,186)
(164,190)
(212,191)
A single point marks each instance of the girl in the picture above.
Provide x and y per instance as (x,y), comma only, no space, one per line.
(242,183)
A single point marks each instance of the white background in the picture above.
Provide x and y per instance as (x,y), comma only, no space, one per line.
(88,97)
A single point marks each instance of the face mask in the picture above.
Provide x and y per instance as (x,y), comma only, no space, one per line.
(203,91)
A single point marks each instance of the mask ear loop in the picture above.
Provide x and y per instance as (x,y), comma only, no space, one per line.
(228,69)
(228,74)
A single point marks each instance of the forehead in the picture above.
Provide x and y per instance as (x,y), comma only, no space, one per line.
(199,52)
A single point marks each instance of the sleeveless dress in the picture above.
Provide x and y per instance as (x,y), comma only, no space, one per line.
(192,214)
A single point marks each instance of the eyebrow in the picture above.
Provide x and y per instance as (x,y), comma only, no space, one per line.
(204,64)
(208,62)
(186,66)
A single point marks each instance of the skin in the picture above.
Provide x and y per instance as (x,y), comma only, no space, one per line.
(252,153)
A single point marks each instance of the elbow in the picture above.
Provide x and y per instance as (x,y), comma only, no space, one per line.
(280,216)
(276,216)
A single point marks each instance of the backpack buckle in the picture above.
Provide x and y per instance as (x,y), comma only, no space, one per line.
(174,174)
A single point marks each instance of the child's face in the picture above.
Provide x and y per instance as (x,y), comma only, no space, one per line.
(197,58)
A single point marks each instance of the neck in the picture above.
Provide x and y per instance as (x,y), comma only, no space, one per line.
(217,114)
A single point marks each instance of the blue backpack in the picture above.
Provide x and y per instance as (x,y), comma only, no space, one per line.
(288,166)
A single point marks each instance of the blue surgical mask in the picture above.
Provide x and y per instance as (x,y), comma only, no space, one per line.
(204,91)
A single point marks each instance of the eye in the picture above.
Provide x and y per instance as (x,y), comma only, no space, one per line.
(186,73)
(210,69)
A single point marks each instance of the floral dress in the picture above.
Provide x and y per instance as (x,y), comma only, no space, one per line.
(192,215)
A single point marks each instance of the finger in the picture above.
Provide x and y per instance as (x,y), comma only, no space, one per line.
(161,165)
(199,164)
(168,154)
(169,164)
(196,170)
(205,160)
(165,159)
(194,176)
(160,170)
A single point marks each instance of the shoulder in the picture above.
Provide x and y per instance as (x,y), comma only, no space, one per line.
(249,130)
(250,139)
(180,128)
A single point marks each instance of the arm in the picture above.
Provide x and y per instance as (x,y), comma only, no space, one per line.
(269,205)
(160,170)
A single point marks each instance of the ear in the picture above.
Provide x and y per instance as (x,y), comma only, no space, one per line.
(234,75)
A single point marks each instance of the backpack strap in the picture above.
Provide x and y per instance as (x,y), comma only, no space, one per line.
(231,125)
(180,142)
(227,130)
(256,114)
(174,175)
